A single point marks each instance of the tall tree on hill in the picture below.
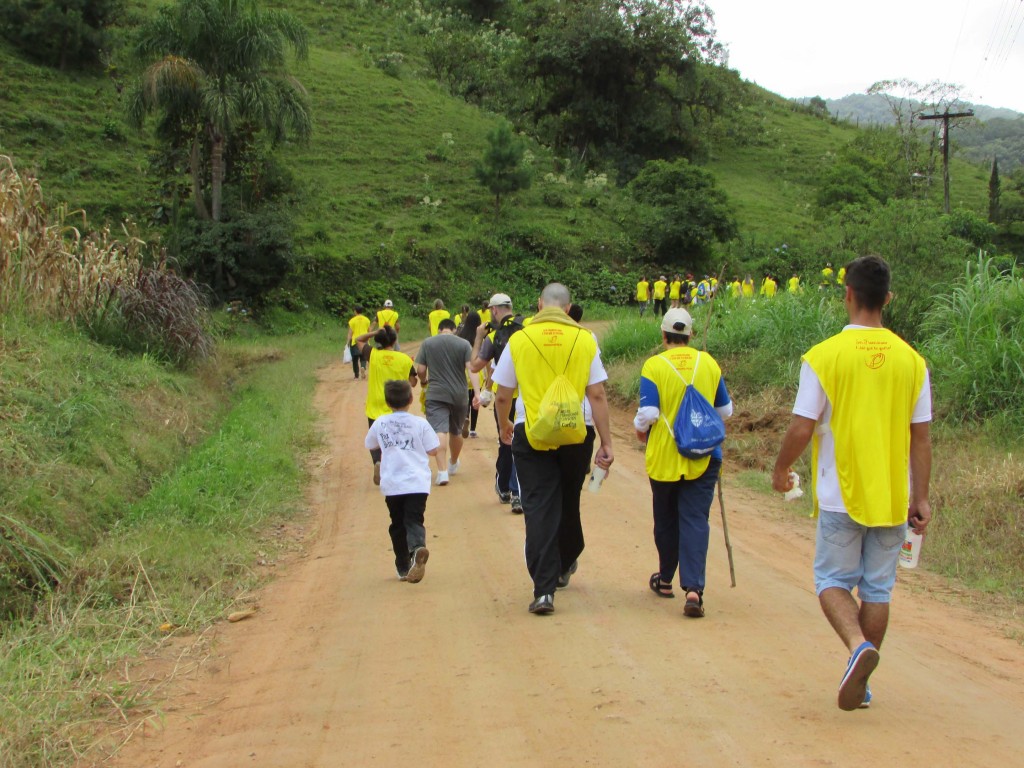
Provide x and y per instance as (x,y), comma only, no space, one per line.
(220,65)
(501,169)
(993,192)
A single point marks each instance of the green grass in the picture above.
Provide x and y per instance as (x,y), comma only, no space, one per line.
(181,555)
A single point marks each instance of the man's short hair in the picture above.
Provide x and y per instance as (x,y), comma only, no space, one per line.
(359,309)
(397,393)
(555,294)
(869,277)
(446,325)
(576,312)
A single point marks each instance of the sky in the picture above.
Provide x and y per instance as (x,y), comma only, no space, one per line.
(830,49)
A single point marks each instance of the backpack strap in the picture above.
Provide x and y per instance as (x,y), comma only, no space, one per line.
(568,359)
(687,383)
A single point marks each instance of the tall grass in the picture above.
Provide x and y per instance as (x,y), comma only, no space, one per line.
(758,341)
(52,269)
(976,346)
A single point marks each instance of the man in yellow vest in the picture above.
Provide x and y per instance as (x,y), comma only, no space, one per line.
(660,286)
(682,488)
(551,478)
(387,316)
(357,326)
(643,295)
(865,398)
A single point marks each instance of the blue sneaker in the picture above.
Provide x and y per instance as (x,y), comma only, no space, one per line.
(854,686)
(867,699)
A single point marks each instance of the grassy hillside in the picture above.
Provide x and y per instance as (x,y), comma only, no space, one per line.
(385,187)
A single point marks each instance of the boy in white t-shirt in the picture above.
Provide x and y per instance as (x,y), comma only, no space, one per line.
(405,442)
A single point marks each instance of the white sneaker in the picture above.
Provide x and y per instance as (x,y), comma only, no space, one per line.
(453,469)
(442,478)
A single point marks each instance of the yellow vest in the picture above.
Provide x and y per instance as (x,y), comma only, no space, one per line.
(387,317)
(673,289)
(385,365)
(436,317)
(662,457)
(794,285)
(659,289)
(748,289)
(485,316)
(565,347)
(359,324)
(641,290)
(872,379)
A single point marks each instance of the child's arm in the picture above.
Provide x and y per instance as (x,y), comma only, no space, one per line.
(432,452)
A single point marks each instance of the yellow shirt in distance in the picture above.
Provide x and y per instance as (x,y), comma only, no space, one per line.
(436,317)
(659,289)
(641,290)
(387,317)
(359,324)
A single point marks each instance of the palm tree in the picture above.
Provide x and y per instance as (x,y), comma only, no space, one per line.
(219,64)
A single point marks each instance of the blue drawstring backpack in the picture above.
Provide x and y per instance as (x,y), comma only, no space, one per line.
(698,429)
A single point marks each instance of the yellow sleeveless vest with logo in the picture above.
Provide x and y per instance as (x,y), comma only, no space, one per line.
(872,379)
(385,365)
(554,341)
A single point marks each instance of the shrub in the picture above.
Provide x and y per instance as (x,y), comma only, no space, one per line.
(60,33)
(158,313)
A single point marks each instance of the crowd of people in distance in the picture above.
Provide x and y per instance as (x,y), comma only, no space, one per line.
(864,399)
(683,290)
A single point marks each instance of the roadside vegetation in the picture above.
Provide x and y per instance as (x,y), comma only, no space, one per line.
(178,240)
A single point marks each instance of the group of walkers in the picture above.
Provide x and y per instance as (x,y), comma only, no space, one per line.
(864,399)
(682,291)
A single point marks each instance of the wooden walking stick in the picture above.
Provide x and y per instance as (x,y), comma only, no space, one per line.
(725,530)
(721,470)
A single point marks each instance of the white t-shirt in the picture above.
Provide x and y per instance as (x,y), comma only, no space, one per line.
(812,403)
(404,440)
(505,376)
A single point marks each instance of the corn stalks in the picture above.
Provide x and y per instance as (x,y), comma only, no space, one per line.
(50,267)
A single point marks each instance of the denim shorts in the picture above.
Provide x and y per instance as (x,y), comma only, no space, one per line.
(848,554)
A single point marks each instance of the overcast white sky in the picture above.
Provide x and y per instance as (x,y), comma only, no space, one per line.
(830,48)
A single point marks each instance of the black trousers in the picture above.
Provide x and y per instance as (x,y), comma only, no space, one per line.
(504,464)
(406,529)
(550,483)
(661,306)
(357,360)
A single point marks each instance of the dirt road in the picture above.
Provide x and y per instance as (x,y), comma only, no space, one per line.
(346,666)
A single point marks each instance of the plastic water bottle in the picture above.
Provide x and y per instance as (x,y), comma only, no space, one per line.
(596,478)
(910,552)
(796,491)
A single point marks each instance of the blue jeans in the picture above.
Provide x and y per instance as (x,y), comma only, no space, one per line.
(682,528)
(848,554)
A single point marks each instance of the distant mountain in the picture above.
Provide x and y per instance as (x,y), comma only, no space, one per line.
(995,132)
(874,109)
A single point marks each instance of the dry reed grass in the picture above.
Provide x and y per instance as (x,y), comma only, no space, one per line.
(49,267)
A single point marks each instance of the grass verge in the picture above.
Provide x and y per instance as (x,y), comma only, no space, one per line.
(172,564)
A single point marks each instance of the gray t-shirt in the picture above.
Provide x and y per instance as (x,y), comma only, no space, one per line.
(445,356)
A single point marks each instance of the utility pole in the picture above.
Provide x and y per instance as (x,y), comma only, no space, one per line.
(945,117)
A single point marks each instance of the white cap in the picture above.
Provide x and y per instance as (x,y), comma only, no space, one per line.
(677,321)
(500,300)
(388,303)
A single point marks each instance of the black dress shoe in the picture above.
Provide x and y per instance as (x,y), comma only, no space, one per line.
(543,604)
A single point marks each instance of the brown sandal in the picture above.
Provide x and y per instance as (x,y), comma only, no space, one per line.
(694,608)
